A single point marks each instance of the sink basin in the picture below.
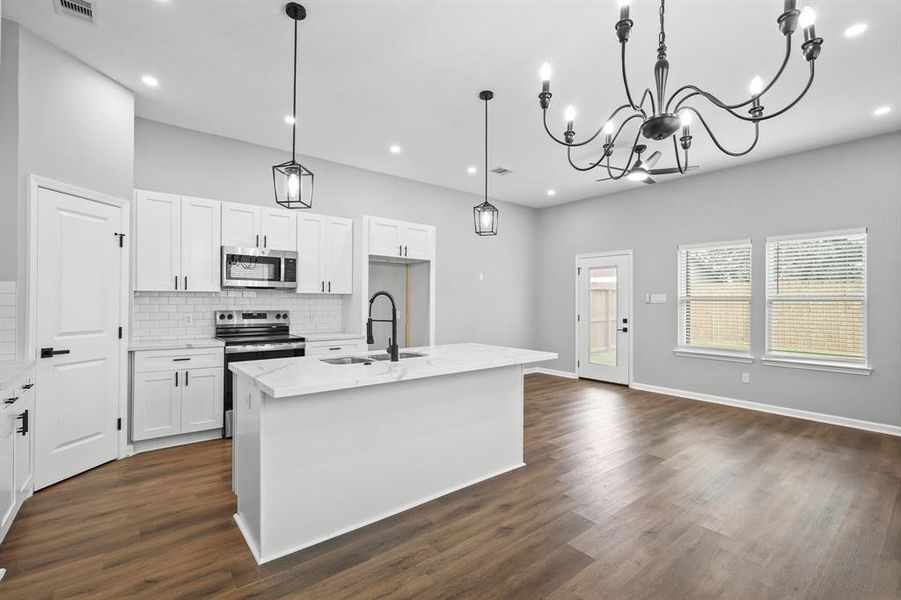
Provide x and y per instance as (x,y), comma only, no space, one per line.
(400,355)
(346,360)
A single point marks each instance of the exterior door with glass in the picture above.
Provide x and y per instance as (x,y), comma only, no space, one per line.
(604,320)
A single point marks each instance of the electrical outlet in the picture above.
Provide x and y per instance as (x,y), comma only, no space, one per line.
(481,277)
(746,378)
(189,319)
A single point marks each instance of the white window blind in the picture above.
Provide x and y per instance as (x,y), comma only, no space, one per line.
(715,296)
(817,296)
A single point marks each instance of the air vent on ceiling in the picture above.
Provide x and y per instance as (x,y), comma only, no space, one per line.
(501,171)
(82,10)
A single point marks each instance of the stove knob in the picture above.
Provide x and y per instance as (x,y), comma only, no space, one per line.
(230,316)
(285,316)
(221,317)
(278,316)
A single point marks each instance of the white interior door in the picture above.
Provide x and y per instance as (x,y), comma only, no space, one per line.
(79,286)
(310,263)
(200,244)
(279,229)
(604,319)
(339,259)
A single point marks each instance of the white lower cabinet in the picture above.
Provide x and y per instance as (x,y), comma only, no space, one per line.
(170,398)
(16,448)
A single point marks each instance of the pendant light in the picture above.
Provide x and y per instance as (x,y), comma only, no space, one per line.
(292,181)
(485,214)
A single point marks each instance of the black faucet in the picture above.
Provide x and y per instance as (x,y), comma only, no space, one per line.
(392,341)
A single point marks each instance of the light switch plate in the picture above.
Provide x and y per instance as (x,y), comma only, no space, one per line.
(655,298)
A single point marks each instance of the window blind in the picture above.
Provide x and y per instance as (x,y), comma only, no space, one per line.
(715,296)
(817,296)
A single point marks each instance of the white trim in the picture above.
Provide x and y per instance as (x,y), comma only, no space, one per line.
(264,559)
(606,254)
(773,409)
(35,182)
(172,441)
(729,244)
(815,235)
(552,372)
(817,365)
(714,354)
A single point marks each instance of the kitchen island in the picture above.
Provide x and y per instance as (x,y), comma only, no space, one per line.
(321,449)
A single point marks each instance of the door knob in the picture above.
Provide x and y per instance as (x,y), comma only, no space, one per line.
(50,352)
(624,330)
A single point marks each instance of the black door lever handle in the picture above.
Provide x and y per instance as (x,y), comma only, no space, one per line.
(50,352)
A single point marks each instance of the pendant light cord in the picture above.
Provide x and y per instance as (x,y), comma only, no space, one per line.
(486,150)
(294,100)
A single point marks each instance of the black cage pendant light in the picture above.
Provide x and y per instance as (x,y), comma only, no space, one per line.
(292,181)
(485,214)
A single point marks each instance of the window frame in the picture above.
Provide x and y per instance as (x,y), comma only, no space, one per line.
(713,352)
(818,361)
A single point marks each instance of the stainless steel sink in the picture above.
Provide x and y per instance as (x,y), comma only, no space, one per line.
(400,355)
(346,360)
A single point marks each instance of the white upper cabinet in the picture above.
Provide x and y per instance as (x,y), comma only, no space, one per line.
(388,237)
(247,226)
(279,229)
(419,241)
(200,244)
(339,259)
(241,225)
(310,263)
(177,243)
(325,264)
(157,244)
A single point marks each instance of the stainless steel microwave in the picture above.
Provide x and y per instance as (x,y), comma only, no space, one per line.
(258,268)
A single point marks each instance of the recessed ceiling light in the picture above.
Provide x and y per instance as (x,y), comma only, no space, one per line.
(471,170)
(552,192)
(855,30)
(289,119)
(150,80)
(394,148)
(882,110)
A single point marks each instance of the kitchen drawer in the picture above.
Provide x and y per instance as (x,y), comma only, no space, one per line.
(146,361)
(336,348)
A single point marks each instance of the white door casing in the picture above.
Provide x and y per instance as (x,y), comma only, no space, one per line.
(603,319)
(78,286)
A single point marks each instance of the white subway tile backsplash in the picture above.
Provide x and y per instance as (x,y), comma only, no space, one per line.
(8,320)
(165,316)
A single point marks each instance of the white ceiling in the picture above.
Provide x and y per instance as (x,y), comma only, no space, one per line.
(375,73)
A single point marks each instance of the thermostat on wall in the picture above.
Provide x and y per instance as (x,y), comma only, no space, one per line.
(655,298)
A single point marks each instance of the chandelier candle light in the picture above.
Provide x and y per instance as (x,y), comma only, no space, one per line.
(661,119)
(485,214)
(292,181)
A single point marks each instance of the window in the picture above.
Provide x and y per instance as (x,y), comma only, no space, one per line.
(817,297)
(715,296)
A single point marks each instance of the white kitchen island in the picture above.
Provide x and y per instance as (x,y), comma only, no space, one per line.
(323,449)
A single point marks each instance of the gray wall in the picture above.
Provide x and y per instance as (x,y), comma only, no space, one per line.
(72,124)
(853,185)
(498,309)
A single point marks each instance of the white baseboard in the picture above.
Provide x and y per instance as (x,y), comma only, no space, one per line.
(175,440)
(776,410)
(554,372)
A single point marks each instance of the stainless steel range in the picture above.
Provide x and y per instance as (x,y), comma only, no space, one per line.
(253,335)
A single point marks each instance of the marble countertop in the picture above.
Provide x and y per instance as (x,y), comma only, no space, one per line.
(327,337)
(10,370)
(188,344)
(284,377)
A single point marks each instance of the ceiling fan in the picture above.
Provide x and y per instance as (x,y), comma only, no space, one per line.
(643,169)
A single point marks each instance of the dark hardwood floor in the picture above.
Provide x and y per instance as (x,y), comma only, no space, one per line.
(626,494)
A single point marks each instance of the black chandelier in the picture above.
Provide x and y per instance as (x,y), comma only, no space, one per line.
(292,181)
(667,118)
(485,214)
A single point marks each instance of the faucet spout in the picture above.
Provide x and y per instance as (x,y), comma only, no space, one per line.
(392,341)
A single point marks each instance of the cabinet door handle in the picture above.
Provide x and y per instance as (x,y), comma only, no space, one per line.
(265,240)
(186,282)
(24,418)
(176,282)
(258,241)
(323,286)
(186,379)
(330,286)
(27,386)
(405,250)
(11,400)
(400,250)
(334,349)
(176,379)
(180,359)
